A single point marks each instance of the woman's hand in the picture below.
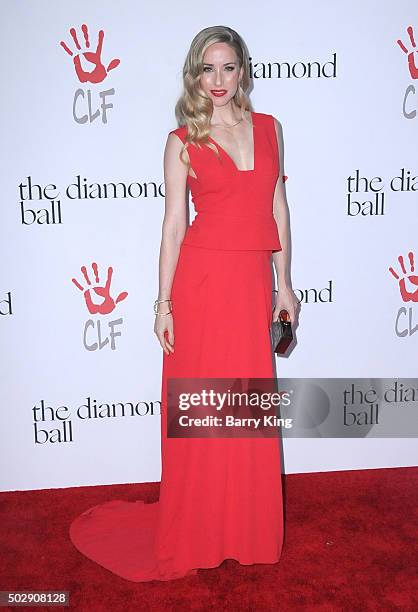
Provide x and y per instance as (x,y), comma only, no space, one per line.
(287,300)
(164,325)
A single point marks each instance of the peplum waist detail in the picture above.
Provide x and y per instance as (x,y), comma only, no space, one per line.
(229,232)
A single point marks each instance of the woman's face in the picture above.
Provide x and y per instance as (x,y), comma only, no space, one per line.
(221,73)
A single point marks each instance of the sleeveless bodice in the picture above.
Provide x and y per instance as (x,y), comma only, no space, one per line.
(234,208)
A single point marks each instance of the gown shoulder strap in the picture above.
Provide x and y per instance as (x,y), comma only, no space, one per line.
(267,121)
(270,128)
(265,124)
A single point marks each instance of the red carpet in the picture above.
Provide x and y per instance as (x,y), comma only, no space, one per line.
(351,543)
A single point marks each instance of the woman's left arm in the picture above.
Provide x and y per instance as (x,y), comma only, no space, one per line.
(285,298)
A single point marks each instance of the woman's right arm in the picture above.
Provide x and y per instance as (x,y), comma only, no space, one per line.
(173,229)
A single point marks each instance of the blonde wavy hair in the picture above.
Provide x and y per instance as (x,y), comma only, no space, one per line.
(194,108)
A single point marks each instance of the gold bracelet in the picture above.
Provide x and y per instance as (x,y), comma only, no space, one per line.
(160,302)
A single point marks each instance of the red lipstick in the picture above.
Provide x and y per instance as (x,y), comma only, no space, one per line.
(218,92)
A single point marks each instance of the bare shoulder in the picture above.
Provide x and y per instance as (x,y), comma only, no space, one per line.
(174,166)
(179,133)
(175,141)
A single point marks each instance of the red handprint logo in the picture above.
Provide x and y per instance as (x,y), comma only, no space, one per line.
(412,54)
(99,72)
(108,304)
(402,277)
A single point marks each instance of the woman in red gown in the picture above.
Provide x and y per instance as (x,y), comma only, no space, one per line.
(220,498)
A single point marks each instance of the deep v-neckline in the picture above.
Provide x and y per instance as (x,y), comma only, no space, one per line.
(228,156)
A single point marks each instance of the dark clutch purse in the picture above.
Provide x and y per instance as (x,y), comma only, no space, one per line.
(281,332)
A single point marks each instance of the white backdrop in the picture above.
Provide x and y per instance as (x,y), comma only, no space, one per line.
(59,352)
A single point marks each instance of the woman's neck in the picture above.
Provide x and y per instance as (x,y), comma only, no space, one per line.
(226,115)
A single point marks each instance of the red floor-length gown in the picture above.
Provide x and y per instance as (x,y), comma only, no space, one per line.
(220,498)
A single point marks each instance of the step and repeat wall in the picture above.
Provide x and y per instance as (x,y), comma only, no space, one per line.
(88,96)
